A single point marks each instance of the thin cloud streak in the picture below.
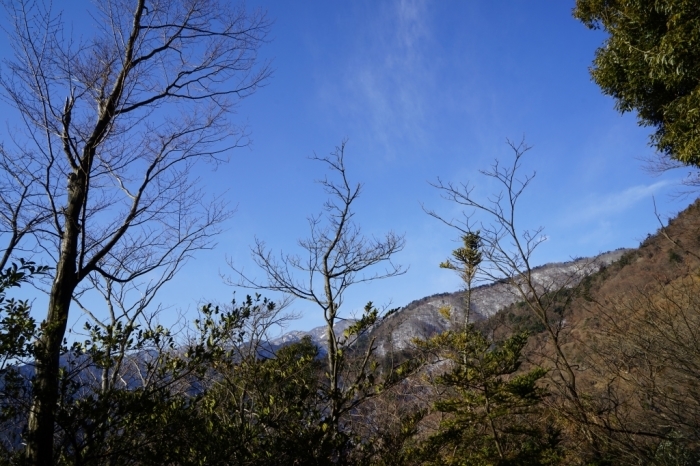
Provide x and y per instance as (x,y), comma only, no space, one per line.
(388,83)
(598,208)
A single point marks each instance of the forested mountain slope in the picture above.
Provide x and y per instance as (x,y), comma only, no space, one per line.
(618,371)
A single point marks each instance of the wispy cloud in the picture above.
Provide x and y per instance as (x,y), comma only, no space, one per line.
(388,81)
(598,207)
(412,22)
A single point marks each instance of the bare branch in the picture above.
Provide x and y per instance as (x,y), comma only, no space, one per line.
(336,256)
(508,251)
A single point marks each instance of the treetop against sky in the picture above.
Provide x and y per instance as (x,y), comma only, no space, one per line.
(421,90)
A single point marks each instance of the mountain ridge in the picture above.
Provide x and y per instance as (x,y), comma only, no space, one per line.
(421,317)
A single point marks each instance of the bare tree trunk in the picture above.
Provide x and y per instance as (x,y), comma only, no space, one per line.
(45,388)
(45,392)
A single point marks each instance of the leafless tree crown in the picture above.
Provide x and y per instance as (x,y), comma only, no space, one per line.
(96,178)
(125,115)
(336,255)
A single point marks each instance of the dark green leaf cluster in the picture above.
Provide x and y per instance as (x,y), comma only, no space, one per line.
(650,63)
(17,327)
(136,396)
(17,331)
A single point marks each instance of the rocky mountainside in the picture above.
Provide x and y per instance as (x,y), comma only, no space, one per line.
(421,318)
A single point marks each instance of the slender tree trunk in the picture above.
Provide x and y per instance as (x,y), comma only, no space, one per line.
(333,371)
(492,426)
(332,340)
(39,450)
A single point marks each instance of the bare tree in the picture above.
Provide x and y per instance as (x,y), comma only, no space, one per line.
(111,129)
(508,253)
(337,255)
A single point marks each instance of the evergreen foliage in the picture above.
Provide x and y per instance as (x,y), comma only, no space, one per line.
(493,414)
(650,63)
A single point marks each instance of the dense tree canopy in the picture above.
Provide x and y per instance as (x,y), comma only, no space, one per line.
(650,63)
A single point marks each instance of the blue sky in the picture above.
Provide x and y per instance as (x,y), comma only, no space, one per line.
(424,90)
